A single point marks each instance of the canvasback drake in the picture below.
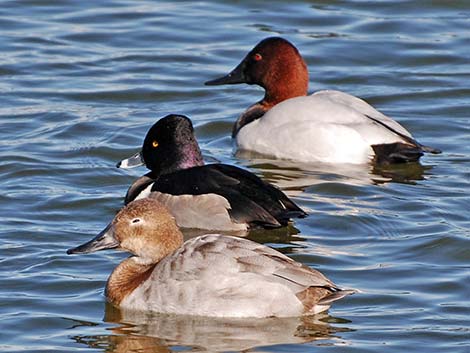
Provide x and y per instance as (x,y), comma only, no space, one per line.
(214,196)
(327,126)
(210,275)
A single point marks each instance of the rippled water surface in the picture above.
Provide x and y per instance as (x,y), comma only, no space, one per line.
(81,82)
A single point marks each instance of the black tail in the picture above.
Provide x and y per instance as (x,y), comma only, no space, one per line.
(428,149)
(291,209)
(397,152)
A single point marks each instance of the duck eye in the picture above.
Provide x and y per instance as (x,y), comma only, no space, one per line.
(136,220)
(155,143)
(257,57)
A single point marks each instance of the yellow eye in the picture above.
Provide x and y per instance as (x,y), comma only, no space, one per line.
(155,143)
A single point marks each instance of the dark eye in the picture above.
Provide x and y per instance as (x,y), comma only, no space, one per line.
(155,143)
(136,220)
(257,57)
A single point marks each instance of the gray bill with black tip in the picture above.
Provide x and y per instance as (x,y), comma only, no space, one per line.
(104,240)
(135,161)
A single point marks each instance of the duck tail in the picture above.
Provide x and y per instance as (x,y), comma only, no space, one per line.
(428,149)
(336,295)
(296,214)
(398,152)
(409,150)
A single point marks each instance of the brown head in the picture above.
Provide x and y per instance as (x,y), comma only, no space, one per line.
(144,228)
(274,64)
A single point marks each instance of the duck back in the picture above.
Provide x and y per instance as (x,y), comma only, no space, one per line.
(328,126)
(232,277)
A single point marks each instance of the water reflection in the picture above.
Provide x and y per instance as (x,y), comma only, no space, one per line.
(145,332)
(407,173)
(296,176)
(282,235)
(284,238)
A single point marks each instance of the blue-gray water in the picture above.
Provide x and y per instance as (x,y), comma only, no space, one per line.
(81,82)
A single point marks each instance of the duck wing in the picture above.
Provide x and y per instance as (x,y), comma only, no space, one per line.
(310,286)
(329,126)
(251,200)
(264,194)
(234,270)
(362,107)
(407,150)
(245,256)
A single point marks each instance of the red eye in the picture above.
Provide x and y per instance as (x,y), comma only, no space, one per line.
(257,57)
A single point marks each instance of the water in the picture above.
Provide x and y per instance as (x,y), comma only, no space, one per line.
(81,82)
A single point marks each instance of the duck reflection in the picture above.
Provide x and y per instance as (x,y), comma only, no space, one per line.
(150,332)
(123,343)
(408,173)
(283,235)
(293,177)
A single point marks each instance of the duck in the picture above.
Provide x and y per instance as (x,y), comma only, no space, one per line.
(213,196)
(212,275)
(328,126)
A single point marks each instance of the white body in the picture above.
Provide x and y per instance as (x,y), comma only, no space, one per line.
(328,126)
(220,276)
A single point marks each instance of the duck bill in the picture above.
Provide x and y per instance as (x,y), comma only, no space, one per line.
(135,161)
(105,240)
(236,76)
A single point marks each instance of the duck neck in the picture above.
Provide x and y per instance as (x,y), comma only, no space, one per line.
(273,97)
(182,157)
(190,156)
(126,277)
(135,270)
(289,79)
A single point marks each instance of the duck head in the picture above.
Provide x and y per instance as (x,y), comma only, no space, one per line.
(169,145)
(274,64)
(144,228)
